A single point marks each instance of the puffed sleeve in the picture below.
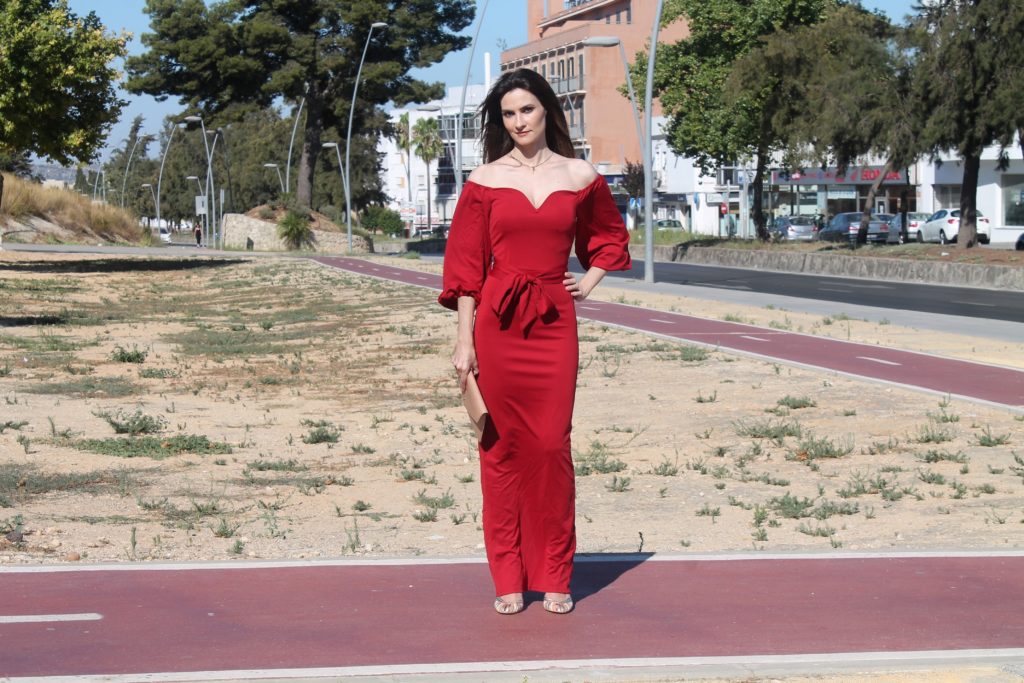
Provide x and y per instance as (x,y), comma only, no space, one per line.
(466,253)
(601,237)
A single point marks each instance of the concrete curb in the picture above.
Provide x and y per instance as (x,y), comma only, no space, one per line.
(843,265)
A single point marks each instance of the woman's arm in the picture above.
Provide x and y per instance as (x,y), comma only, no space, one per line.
(464,355)
(582,289)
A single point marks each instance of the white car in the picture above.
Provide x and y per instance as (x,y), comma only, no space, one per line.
(944,224)
(165,235)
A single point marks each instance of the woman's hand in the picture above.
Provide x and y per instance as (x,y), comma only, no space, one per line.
(464,360)
(575,289)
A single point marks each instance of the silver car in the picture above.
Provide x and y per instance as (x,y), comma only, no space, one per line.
(896,232)
(802,228)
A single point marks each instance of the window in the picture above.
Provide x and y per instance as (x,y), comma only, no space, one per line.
(629,12)
(1013,200)
(618,17)
(947,196)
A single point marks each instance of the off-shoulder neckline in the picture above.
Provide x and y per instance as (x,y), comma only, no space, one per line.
(538,207)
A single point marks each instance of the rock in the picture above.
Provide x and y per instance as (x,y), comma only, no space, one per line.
(72,557)
(15,536)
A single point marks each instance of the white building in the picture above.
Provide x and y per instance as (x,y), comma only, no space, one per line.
(406,179)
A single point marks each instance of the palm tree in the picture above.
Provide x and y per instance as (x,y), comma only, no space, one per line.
(403,138)
(426,136)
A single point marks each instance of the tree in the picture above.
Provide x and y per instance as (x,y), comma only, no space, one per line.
(234,55)
(426,137)
(57,96)
(851,100)
(403,140)
(691,76)
(971,84)
(633,182)
(384,219)
(131,177)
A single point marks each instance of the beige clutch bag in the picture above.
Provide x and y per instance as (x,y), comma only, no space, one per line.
(475,406)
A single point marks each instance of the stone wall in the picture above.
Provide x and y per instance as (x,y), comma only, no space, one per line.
(251,234)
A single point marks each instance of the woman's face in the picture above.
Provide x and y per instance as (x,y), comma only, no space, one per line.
(524,117)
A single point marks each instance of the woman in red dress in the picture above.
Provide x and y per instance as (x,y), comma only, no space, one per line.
(505,273)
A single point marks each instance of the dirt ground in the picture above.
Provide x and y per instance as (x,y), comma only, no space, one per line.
(285,410)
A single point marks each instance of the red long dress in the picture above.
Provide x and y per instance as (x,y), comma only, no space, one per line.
(511,257)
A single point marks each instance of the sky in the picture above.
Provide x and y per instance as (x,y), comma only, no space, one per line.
(504,24)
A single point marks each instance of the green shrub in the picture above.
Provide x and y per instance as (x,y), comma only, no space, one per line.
(384,219)
(294,230)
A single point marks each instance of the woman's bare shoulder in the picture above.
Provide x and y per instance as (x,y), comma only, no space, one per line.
(582,172)
(483,174)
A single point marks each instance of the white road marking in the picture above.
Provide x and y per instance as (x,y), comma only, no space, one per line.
(747,336)
(45,618)
(659,320)
(849,284)
(420,277)
(972,303)
(721,286)
(878,360)
(589,308)
(732,665)
(827,289)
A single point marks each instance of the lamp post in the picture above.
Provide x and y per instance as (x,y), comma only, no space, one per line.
(151,194)
(348,136)
(612,41)
(127,166)
(291,143)
(645,144)
(462,105)
(206,207)
(280,178)
(649,152)
(160,176)
(341,169)
(210,201)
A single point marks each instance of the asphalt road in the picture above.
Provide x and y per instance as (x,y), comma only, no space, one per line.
(962,301)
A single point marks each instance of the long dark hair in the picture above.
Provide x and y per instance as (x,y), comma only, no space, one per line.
(495,138)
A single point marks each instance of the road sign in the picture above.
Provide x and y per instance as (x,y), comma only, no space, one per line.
(714,198)
(200,205)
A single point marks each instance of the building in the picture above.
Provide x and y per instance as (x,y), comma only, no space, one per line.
(587,77)
(407,178)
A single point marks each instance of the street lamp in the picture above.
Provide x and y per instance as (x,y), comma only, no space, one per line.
(341,169)
(160,176)
(280,178)
(645,146)
(151,194)
(462,106)
(127,166)
(291,143)
(206,210)
(211,202)
(348,136)
(648,172)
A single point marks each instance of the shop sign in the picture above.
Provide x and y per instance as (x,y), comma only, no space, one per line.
(714,198)
(854,175)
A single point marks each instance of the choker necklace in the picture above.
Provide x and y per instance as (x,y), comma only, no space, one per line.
(532,167)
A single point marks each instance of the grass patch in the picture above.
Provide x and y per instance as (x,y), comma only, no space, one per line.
(597,460)
(88,387)
(796,403)
(123,355)
(18,480)
(135,423)
(152,446)
(768,429)
(814,448)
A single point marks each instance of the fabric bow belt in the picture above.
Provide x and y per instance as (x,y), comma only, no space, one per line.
(525,292)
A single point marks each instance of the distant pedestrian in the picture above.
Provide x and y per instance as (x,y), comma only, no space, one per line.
(198,230)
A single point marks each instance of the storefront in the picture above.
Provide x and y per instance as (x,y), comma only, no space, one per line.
(827,192)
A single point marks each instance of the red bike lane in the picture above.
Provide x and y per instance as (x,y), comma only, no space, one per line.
(362,617)
(960,378)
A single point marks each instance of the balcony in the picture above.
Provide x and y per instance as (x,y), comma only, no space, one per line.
(564,86)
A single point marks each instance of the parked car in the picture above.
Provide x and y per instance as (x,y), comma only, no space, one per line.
(943,226)
(1020,243)
(795,228)
(165,235)
(846,226)
(668,224)
(897,235)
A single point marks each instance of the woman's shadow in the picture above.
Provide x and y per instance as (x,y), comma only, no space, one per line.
(594,572)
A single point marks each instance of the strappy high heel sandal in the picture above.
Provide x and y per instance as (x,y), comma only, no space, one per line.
(508,606)
(559,606)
